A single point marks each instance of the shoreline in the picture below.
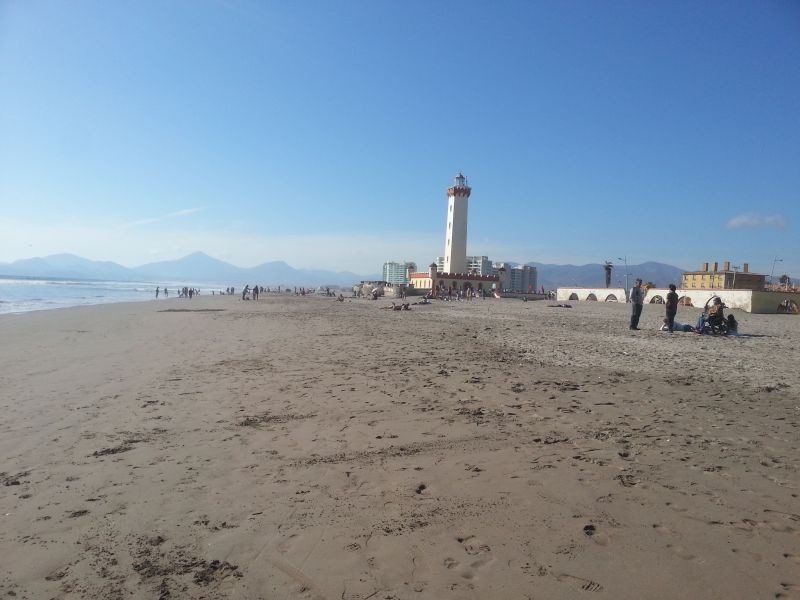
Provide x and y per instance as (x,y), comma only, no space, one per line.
(306,448)
(20,295)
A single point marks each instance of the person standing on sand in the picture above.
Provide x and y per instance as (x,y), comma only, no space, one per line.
(672,306)
(637,301)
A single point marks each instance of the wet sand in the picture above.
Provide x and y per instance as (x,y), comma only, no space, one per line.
(306,448)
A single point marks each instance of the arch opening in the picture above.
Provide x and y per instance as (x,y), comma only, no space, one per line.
(591,298)
(657,300)
(611,298)
(685,301)
(573,296)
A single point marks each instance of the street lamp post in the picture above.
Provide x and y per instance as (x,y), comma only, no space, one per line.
(735,271)
(625,260)
(772,272)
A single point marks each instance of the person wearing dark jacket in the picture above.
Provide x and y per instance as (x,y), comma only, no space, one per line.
(637,301)
(672,306)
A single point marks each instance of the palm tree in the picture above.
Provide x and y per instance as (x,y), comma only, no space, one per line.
(607,266)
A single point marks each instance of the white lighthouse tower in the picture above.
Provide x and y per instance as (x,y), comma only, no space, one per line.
(455,250)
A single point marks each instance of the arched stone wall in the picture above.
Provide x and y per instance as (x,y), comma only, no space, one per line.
(757,302)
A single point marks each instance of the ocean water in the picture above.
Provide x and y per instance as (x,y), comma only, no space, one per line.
(20,294)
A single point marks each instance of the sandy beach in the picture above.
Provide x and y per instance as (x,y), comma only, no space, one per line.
(307,448)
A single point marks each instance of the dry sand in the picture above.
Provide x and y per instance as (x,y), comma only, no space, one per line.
(306,448)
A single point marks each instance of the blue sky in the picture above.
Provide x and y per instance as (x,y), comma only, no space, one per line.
(325,134)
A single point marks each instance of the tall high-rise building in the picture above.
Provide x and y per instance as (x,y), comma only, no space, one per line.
(479,265)
(398,272)
(455,249)
(520,278)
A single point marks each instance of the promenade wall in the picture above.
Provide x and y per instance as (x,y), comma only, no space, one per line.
(759,302)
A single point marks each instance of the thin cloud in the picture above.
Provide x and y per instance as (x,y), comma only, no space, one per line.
(751,221)
(184,212)
(178,213)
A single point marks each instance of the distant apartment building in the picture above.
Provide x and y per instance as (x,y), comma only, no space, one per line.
(398,272)
(519,279)
(711,277)
(478,265)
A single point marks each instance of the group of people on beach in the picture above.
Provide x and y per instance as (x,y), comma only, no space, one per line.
(254,292)
(711,319)
(248,292)
(454,295)
(185,292)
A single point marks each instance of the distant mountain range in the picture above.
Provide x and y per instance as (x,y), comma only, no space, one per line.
(200,267)
(197,267)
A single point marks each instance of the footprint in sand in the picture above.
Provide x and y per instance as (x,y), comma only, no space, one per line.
(753,555)
(601,538)
(662,529)
(681,552)
(789,590)
(476,548)
(285,545)
(450,563)
(473,546)
(779,527)
(587,585)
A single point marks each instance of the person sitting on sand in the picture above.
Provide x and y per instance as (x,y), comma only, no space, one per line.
(714,315)
(676,326)
(733,325)
(715,311)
